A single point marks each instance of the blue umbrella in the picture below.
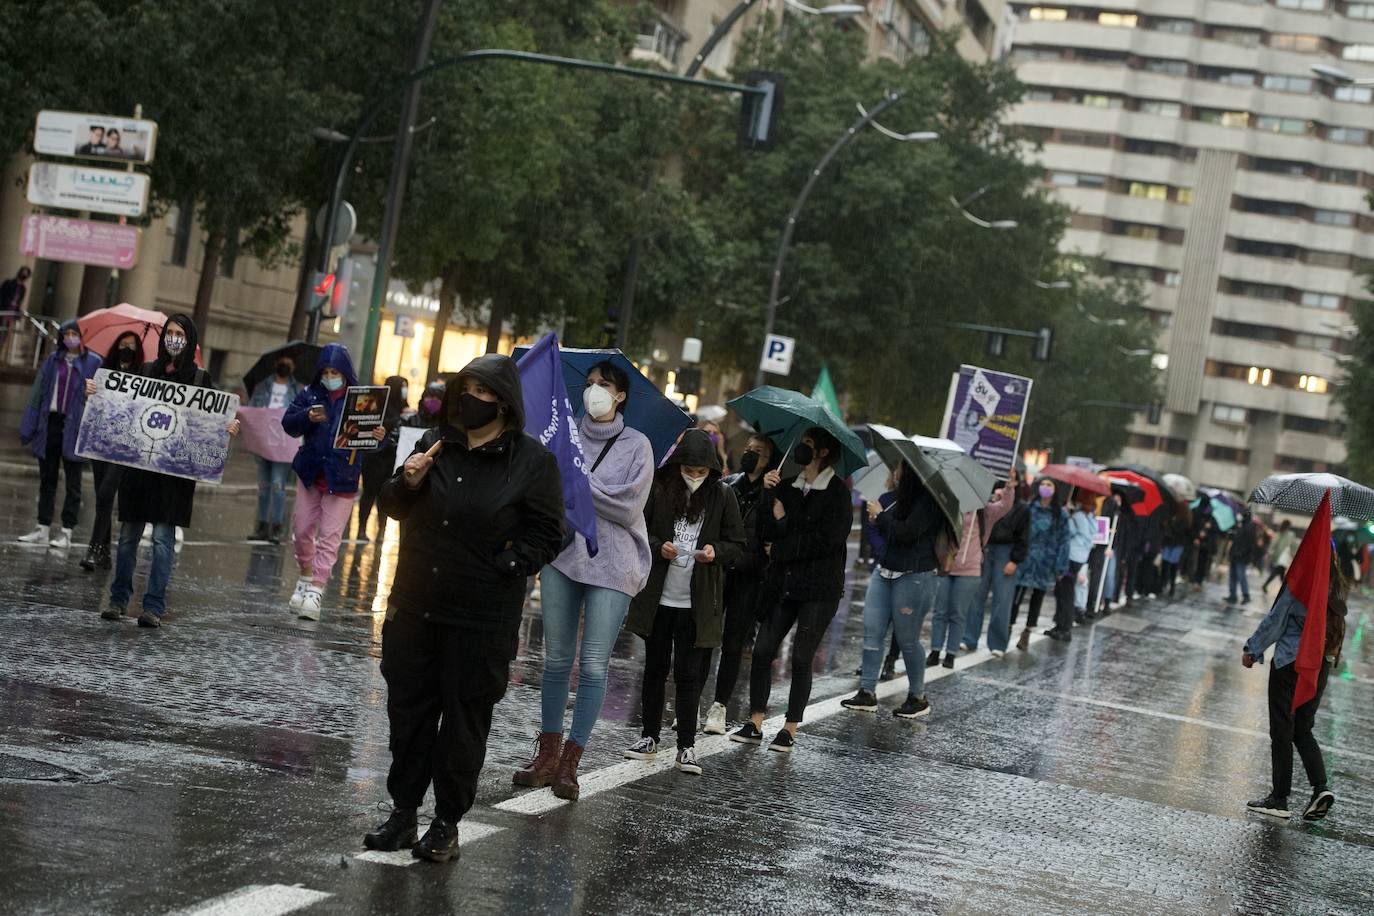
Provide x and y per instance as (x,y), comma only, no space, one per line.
(647,409)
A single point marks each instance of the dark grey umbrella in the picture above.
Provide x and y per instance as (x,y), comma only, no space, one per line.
(1304,492)
(958,483)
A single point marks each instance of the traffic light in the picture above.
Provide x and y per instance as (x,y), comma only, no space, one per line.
(1152,413)
(321,289)
(1044,340)
(759,112)
(997,343)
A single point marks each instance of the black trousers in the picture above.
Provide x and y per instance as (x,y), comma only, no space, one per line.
(672,645)
(1288,728)
(741,617)
(812,619)
(48,467)
(1275,572)
(1037,598)
(1203,566)
(374,474)
(107,478)
(1096,560)
(442,684)
(1063,598)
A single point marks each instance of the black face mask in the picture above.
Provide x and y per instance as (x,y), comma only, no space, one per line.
(283,369)
(474,413)
(803,454)
(126,355)
(749,462)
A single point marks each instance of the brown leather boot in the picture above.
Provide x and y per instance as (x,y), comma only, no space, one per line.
(542,768)
(565,783)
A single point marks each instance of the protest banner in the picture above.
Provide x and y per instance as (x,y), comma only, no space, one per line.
(363,408)
(263,435)
(406,438)
(984,415)
(157,425)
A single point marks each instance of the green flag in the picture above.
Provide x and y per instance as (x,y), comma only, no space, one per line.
(824,391)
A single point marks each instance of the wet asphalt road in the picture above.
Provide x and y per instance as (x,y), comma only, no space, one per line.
(240,754)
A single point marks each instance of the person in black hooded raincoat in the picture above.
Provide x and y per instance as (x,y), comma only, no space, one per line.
(149,498)
(695,535)
(377,465)
(480,504)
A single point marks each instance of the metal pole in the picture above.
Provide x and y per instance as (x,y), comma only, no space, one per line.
(786,243)
(374,108)
(627,291)
(396,192)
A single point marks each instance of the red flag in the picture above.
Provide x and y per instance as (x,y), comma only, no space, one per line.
(1307,582)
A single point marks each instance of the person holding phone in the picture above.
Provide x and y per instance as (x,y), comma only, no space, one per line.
(480,504)
(695,534)
(326,476)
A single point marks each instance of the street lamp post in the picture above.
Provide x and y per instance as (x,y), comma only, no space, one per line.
(631,284)
(867,118)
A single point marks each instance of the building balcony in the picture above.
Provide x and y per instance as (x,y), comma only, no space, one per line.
(661,43)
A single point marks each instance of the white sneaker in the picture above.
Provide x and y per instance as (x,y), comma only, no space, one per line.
(998,653)
(643,749)
(38,535)
(63,539)
(310,604)
(147,537)
(298,595)
(181,535)
(687,761)
(715,720)
(965,647)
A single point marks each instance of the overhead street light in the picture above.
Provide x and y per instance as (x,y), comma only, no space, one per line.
(916,136)
(1109,322)
(962,207)
(330,135)
(1054,284)
(840,10)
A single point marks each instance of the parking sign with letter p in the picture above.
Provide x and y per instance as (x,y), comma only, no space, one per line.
(777,354)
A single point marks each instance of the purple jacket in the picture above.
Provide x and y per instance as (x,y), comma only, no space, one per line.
(620,488)
(33,427)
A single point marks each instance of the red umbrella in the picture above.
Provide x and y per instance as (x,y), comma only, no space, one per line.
(1074,476)
(101,328)
(1153,498)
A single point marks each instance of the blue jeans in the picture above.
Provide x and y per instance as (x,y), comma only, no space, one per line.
(1238,581)
(951,601)
(1001,587)
(272,478)
(562,600)
(903,603)
(164,552)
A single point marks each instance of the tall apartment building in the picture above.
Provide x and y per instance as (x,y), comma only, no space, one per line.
(1201,153)
(894,29)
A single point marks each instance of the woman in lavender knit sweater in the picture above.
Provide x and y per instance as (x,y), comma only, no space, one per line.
(622,474)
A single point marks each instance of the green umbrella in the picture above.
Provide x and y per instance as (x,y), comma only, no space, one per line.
(783,416)
(958,483)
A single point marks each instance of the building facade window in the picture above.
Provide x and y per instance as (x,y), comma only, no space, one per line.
(1047,14)
(1321,300)
(1227,454)
(1313,6)
(1165,66)
(1228,413)
(1358,52)
(1334,217)
(1359,10)
(1117,20)
(1360,94)
(1149,191)
(1312,384)
(1303,44)
(1282,125)
(1162,108)
(1077,180)
(1287,83)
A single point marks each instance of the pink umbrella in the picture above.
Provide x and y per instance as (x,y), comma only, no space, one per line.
(101,328)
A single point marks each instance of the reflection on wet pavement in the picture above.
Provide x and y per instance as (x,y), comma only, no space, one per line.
(240,754)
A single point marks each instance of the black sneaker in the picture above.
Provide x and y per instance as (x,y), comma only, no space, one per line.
(1317,808)
(949,660)
(933,659)
(439,844)
(149,620)
(747,734)
(889,670)
(397,833)
(1270,805)
(1079,617)
(259,532)
(113,612)
(783,742)
(863,701)
(913,708)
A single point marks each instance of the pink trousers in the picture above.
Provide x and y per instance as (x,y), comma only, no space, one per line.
(316,528)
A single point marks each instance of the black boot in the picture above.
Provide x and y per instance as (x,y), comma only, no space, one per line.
(259,532)
(92,558)
(439,844)
(397,833)
(275,535)
(103,561)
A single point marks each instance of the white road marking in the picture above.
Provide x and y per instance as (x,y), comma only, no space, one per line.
(1158,714)
(257,900)
(468,832)
(542,801)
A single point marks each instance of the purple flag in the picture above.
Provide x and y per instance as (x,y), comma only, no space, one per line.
(549,418)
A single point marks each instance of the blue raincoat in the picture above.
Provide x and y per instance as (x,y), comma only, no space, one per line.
(1048,556)
(317,456)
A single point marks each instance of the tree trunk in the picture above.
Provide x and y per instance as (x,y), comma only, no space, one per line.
(205,289)
(494,328)
(95,286)
(448,297)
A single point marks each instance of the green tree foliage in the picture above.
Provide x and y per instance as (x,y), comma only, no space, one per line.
(1355,393)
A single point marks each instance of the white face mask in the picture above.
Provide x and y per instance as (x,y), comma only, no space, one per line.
(598,401)
(693,483)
